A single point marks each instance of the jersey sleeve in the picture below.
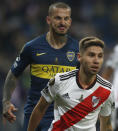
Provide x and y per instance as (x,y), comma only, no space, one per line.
(108,106)
(49,92)
(21,61)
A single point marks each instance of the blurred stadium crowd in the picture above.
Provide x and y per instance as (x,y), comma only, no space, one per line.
(23,20)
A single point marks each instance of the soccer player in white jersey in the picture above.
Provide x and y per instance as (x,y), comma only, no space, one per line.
(111,70)
(80,95)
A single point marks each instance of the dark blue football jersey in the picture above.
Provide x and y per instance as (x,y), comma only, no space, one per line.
(44,62)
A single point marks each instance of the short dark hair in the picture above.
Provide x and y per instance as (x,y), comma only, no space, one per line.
(90,41)
(58,5)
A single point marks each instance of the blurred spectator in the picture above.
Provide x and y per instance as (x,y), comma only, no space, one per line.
(111,70)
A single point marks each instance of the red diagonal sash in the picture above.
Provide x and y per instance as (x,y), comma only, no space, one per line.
(81,110)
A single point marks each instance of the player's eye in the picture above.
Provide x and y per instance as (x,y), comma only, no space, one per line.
(66,18)
(91,54)
(100,55)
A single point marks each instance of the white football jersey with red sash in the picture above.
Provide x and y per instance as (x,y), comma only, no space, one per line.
(77,109)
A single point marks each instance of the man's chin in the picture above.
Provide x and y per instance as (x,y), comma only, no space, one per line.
(94,72)
(61,34)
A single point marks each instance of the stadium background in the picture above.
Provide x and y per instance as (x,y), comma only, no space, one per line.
(23,20)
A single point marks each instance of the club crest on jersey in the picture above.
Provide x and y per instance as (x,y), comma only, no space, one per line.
(70,55)
(95,101)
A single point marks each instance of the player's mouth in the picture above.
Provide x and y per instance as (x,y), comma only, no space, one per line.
(61,28)
(95,68)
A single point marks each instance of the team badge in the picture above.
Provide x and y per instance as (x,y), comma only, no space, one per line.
(95,101)
(70,55)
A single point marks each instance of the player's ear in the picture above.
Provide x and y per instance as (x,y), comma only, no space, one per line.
(48,20)
(78,56)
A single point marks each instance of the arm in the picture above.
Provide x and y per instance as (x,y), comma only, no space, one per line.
(21,62)
(8,107)
(105,123)
(37,114)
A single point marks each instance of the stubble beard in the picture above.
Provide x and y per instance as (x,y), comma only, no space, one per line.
(89,72)
(59,33)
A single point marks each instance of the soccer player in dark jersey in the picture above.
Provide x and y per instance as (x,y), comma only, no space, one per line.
(48,54)
(79,95)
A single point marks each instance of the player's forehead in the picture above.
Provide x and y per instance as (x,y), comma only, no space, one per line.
(94,49)
(61,11)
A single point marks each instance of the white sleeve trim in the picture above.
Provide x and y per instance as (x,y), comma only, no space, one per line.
(48,99)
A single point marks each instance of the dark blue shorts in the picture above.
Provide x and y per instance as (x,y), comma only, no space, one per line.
(44,124)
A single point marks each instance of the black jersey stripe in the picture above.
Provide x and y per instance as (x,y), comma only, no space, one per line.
(68,73)
(65,78)
(104,83)
(108,83)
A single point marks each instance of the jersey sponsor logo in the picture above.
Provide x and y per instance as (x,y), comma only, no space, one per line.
(70,55)
(49,71)
(95,101)
(39,54)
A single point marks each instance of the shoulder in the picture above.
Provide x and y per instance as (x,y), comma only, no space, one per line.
(105,83)
(66,75)
(109,88)
(35,41)
(61,81)
(61,77)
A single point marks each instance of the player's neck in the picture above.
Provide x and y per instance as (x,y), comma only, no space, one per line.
(56,41)
(85,80)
